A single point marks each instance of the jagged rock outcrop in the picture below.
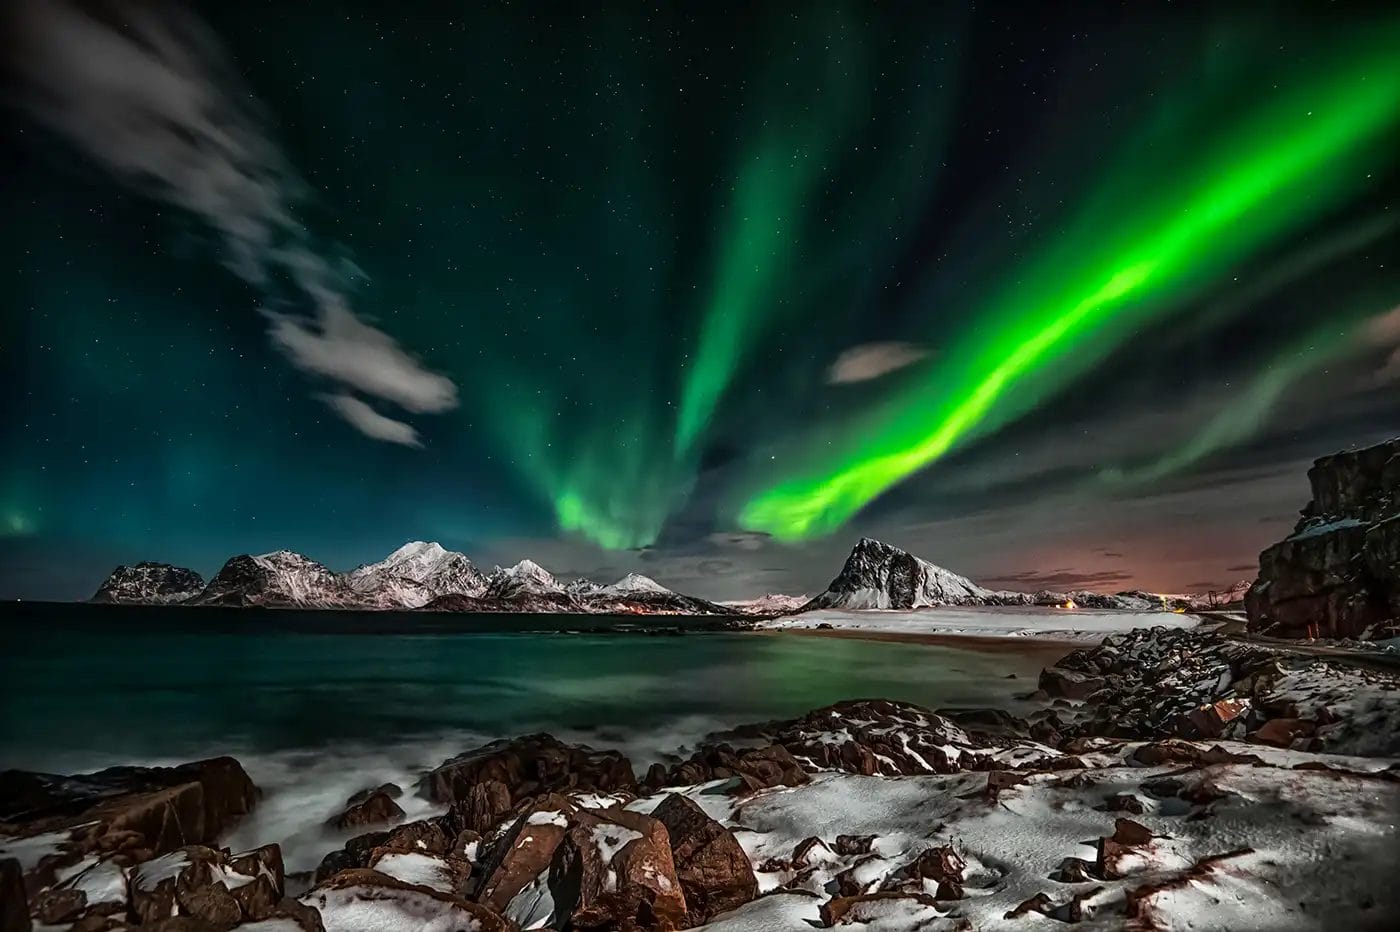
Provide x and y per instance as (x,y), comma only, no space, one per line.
(1338,574)
(150,584)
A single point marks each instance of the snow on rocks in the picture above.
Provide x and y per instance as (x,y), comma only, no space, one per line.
(150,584)
(1198,684)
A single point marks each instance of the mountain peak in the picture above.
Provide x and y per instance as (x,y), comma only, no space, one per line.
(878,575)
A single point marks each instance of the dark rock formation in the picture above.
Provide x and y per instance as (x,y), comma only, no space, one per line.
(524,767)
(714,872)
(376,809)
(614,871)
(281,579)
(134,812)
(149,584)
(1338,574)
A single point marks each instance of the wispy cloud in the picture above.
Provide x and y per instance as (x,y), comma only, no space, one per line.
(145,91)
(370,422)
(872,360)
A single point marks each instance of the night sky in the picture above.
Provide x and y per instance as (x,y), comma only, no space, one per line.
(1053,295)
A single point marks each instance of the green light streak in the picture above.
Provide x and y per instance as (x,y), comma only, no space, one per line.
(1148,246)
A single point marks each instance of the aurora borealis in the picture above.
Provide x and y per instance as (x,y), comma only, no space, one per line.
(536,282)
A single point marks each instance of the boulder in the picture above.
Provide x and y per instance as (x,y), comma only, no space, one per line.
(354,853)
(867,908)
(528,766)
(1211,719)
(617,873)
(757,768)
(208,885)
(1069,684)
(391,790)
(14,905)
(367,899)
(521,858)
(1282,732)
(139,812)
(714,872)
(377,809)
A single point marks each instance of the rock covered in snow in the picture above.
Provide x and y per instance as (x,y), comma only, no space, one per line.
(1338,574)
(772,604)
(150,584)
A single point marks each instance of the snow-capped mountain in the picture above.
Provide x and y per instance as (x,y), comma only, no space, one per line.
(414,575)
(771,604)
(281,578)
(150,584)
(642,594)
(877,575)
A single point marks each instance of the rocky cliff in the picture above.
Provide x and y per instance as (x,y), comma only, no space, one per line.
(1338,573)
(150,584)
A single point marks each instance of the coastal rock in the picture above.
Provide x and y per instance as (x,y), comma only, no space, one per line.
(524,767)
(367,899)
(1338,574)
(138,812)
(878,736)
(754,768)
(519,861)
(1069,684)
(149,584)
(378,808)
(616,872)
(915,909)
(207,885)
(714,872)
(14,903)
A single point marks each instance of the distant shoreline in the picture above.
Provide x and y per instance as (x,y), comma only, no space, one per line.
(982,642)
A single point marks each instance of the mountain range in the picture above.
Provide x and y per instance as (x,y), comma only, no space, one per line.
(425,576)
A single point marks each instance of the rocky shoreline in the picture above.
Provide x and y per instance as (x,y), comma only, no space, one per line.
(1170,779)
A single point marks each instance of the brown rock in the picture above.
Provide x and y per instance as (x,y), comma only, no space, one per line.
(1124,802)
(14,905)
(809,851)
(525,852)
(482,807)
(355,854)
(211,903)
(377,809)
(714,872)
(1133,834)
(1040,903)
(853,844)
(1209,720)
(528,766)
(391,790)
(862,909)
(617,874)
(1074,870)
(757,768)
(424,837)
(417,903)
(1282,732)
(1069,684)
(54,906)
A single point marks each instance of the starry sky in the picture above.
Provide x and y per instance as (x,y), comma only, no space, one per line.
(1055,297)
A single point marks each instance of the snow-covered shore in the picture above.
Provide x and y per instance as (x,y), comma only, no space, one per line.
(1048,624)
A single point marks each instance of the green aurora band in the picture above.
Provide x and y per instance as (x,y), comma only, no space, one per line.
(1140,250)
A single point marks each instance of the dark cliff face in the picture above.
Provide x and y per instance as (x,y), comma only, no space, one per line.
(1338,573)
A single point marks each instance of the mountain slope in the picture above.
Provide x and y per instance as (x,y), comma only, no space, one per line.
(149,584)
(414,575)
(281,578)
(877,575)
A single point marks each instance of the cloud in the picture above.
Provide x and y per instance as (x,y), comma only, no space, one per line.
(145,92)
(872,360)
(370,422)
(1059,579)
(1384,331)
(345,349)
